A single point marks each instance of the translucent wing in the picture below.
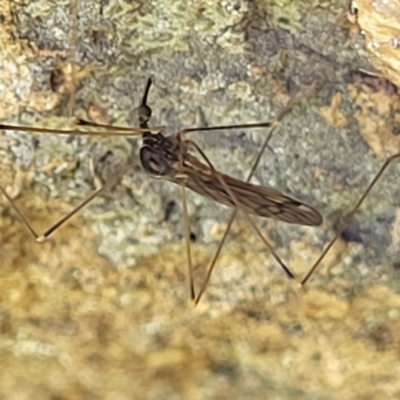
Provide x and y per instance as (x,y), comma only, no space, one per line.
(254,199)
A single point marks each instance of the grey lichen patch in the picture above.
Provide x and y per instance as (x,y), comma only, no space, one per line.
(45,24)
(15,84)
(290,15)
(172,24)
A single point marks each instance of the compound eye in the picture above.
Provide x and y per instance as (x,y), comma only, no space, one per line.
(152,163)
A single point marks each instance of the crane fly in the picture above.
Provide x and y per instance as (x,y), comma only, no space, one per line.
(171,158)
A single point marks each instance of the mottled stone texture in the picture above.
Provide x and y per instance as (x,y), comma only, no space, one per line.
(101,310)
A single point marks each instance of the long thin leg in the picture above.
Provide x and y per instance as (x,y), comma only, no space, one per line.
(20,215)
(109,130)
(116,130)
(239,207)
(268,124)
(143,115)
(65,218)
(120,130)
(228,226)
(292,102)
(186,228)
(349,217)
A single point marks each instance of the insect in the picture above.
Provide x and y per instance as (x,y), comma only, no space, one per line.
(171,158)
